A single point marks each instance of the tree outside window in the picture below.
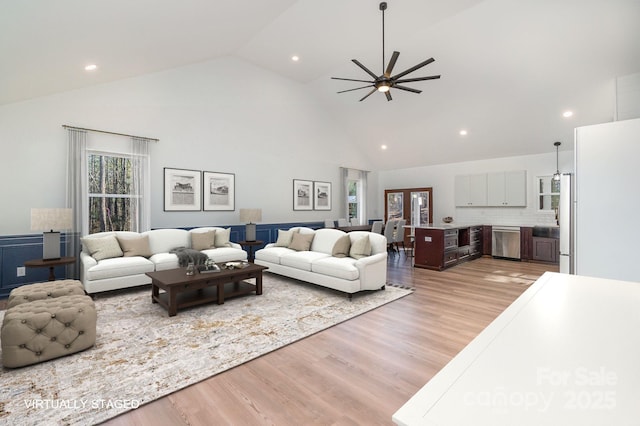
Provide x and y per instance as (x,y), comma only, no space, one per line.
(110,206)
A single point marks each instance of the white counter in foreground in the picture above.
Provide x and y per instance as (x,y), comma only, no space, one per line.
(566,352)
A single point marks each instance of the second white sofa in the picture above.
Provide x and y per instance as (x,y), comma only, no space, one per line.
(327,261)
(114,260)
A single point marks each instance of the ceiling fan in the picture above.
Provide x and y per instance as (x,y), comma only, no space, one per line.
(386,81)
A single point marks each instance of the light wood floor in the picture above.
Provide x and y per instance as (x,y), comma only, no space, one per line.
(361,371)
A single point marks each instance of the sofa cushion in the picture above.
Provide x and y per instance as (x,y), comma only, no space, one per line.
(301,242)
(103,248)
(134,245)
(285,237)
(360,248)
(222,238)
(203,240)
(341,247)
(164,261)
(165,240)
(119,267)
(272,254)
(301,259)
(225,254)
(337,267)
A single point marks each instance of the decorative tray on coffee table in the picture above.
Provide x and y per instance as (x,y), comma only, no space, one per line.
(208,268)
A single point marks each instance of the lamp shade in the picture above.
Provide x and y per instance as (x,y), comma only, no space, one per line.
(250,215)
(51,219)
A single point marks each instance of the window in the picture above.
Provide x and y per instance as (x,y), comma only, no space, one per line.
(548,193)
(110,206)
(354,199)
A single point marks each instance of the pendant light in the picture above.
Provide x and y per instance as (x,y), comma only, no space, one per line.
(556,175)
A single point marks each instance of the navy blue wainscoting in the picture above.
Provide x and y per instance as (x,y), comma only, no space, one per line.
(17,249)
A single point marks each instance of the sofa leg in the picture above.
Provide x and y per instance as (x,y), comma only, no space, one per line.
(350,296)
(383,287)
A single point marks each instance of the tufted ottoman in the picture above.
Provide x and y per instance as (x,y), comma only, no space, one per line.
(46,290)
(46,329)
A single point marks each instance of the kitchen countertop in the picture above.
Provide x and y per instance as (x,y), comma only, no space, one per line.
(443,225)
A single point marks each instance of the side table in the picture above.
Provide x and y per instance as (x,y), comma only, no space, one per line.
(52,263)
(250,247)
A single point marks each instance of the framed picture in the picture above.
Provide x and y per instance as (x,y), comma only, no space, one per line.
(302,193)
(218,191)
(182,190)
(322,195)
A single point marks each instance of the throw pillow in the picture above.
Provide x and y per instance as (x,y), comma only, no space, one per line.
(103,248)
(301,242)
(360,248)
(135,246)
(284,237)
(341,247)
(203,240)
(222,238)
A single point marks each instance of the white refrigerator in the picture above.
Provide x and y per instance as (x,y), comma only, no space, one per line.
(607,202)
(566,218)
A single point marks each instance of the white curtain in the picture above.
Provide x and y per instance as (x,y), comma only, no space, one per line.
(140,185)
(76,194)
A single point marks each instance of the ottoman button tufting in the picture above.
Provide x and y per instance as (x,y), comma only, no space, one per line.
(67,346)
(66,324)
(53,315)
(81,332)
(23,321)
(38,353)
(38,331)
(48,294)
(22,346)
(53,339)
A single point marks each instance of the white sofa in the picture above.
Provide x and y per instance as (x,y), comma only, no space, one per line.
(127,270)
(319,266)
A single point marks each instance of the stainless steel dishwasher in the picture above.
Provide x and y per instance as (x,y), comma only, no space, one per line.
(505,242)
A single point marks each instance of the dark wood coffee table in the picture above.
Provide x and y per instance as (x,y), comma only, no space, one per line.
(182,290)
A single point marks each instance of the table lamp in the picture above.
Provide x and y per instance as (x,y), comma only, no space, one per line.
(52,220)
(250,216)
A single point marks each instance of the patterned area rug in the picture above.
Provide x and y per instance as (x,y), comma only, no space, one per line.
(141,354)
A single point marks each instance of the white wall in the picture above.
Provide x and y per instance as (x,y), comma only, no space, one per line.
(224,115)
(441,179)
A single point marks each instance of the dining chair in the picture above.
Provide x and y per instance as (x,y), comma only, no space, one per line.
(354,221)
(398,235)
(377,226)
(343,222)
(389,229)
(329,223)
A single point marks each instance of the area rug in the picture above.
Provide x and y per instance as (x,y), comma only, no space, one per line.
(142,354)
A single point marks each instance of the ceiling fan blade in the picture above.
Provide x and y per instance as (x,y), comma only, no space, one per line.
(368,94)
(351,79)
(357,88)
(392,63)
(408,89)
(367,70)
(388,95)
(412,69)
(409,80)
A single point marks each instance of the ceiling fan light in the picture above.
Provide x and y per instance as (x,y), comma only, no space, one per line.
(383,87)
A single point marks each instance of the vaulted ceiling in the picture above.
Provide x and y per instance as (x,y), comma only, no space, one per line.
(509,68)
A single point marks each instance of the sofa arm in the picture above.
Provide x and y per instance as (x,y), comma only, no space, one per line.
(235,245)
(372,271)
(87,261)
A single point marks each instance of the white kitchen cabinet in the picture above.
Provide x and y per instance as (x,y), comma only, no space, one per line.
(471,190)
(507,189)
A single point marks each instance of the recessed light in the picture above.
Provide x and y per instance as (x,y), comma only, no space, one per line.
(463,132)
(295,58)
(567,114)
(91,67)
(383,147)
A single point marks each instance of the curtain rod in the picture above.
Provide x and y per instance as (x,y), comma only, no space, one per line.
(109,133)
